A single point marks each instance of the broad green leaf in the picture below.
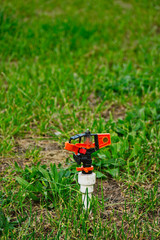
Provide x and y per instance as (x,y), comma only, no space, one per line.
(113,172)
(45,174)
(54,172)
(23,182)
(100,175)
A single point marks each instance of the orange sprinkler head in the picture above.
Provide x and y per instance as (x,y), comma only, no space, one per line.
(83,151)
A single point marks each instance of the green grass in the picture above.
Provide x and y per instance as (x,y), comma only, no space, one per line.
(66,66)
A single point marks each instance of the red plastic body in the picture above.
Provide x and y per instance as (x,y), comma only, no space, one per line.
(104,140)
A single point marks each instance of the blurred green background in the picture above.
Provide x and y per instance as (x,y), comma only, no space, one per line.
(66,66)
(64,62)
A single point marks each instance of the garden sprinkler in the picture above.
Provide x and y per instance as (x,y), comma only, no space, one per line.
(82,154)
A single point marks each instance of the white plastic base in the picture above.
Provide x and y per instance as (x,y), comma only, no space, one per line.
(86,182)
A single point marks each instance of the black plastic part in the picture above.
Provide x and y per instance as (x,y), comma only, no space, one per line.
(86,134)
(96,142)
(76,136)
(85,158)
(77,158)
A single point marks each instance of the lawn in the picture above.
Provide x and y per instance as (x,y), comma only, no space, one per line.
(66,66)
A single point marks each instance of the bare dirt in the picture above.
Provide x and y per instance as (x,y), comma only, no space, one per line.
(49,151)
(113,196)
(117,110)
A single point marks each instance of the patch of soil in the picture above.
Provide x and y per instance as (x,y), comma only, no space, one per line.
(54,13)
(45,145)
(114,200)
(112,192)
(123,4)
(93,101)
(118,111)
(49,151)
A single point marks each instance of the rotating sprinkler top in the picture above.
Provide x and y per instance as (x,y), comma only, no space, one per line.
(83,150)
